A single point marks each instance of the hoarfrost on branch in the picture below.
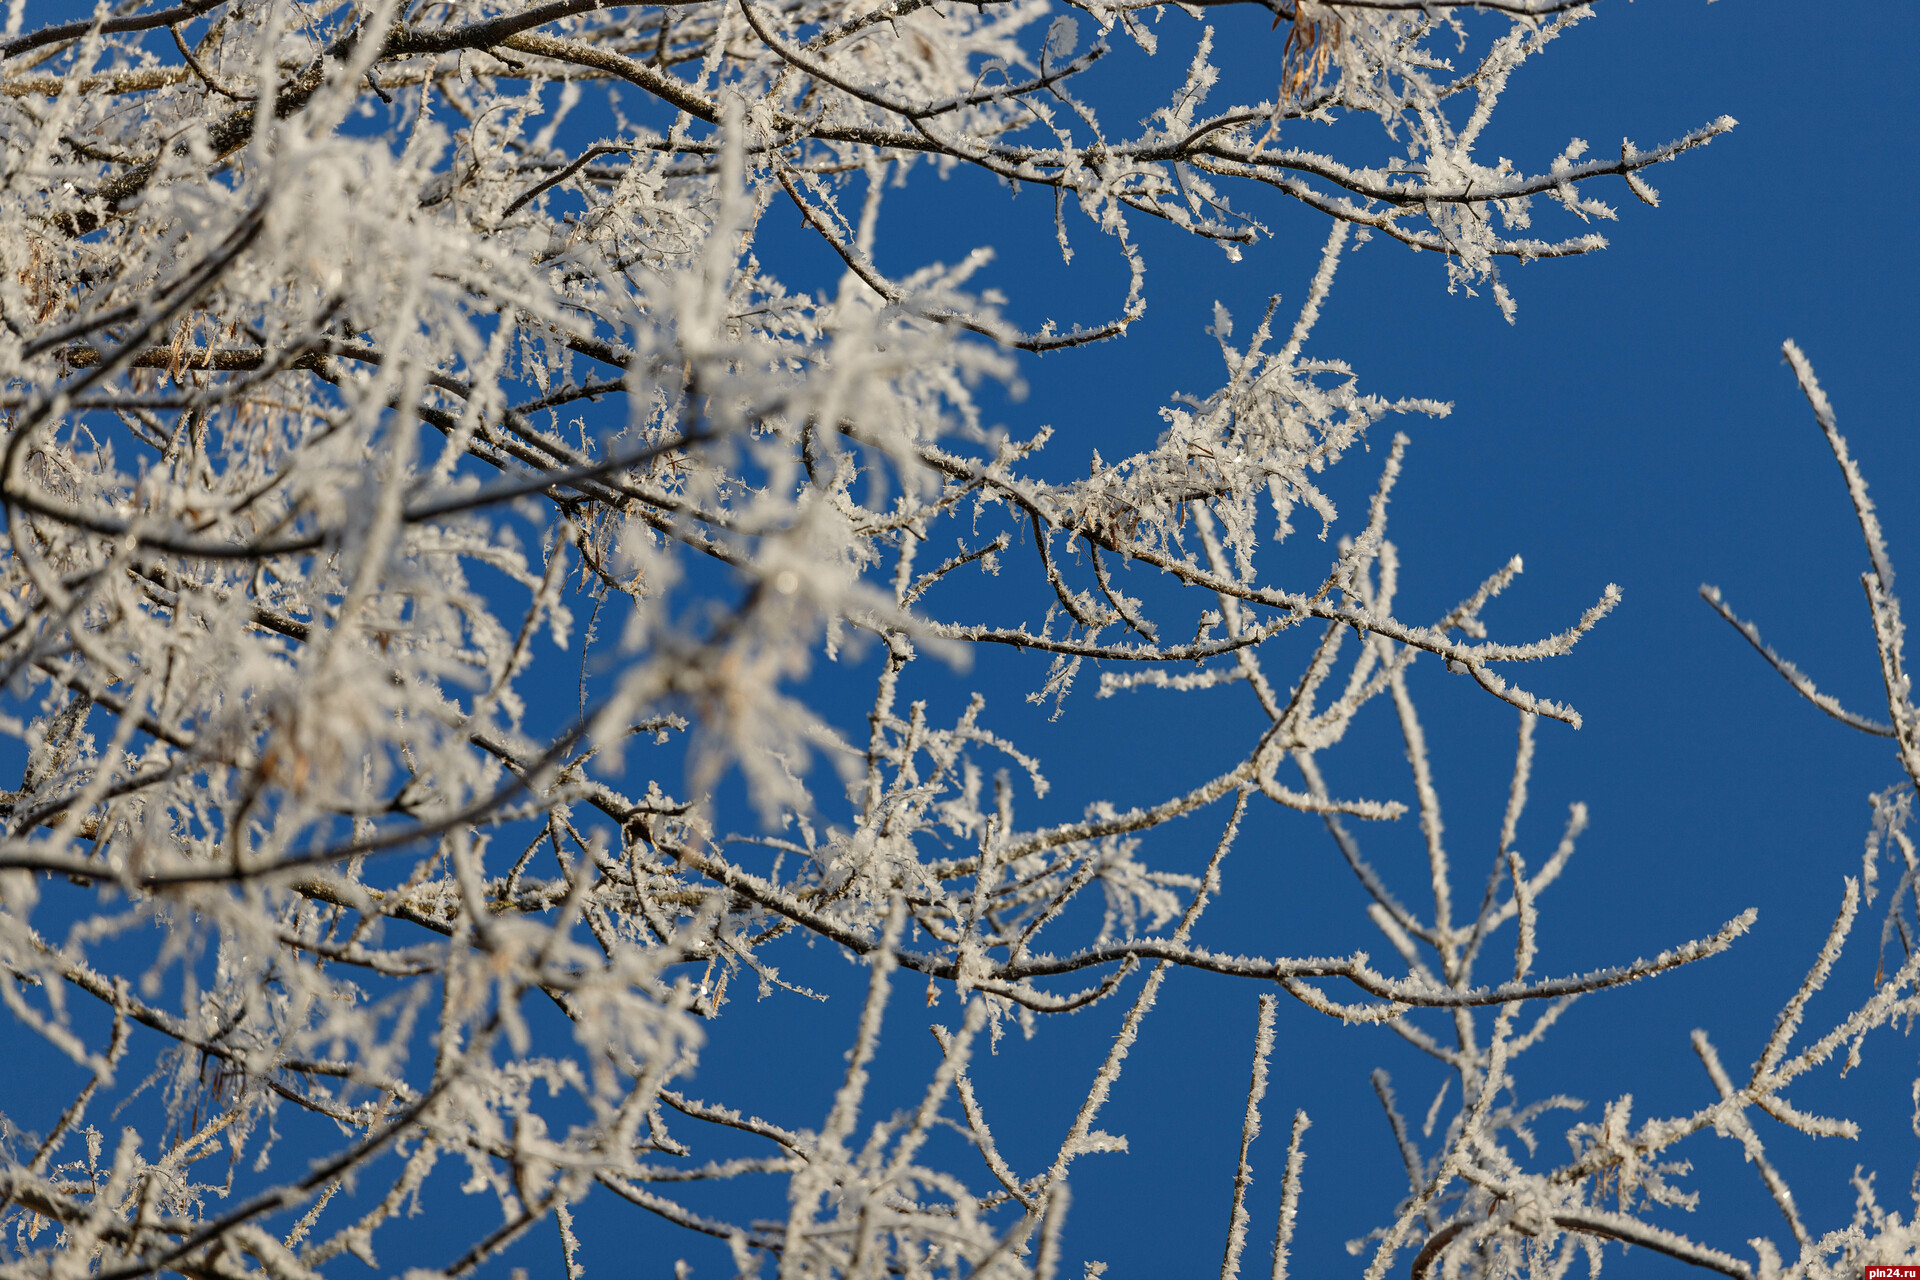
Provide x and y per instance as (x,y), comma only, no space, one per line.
(425,505)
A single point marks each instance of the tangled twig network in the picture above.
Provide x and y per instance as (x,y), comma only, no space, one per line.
(426,502)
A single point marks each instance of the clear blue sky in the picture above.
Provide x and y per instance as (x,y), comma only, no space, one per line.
(1635,426)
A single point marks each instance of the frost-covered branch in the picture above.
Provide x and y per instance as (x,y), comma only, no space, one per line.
(430,493)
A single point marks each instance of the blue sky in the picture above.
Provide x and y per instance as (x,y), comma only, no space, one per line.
(1635,426)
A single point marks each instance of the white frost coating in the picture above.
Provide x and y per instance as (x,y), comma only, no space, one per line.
(1238,1217)
(1856,483)
(1290,1196)
(1620,1176)
(428,503)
